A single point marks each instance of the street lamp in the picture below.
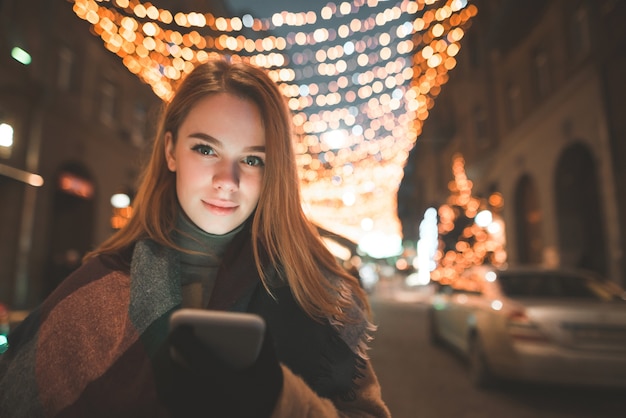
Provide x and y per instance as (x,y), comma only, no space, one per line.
(6,139)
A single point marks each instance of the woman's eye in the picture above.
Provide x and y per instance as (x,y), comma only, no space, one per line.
(254,161)
(203,149)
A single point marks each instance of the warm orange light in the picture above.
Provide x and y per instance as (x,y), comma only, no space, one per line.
(369,68)
(72,184)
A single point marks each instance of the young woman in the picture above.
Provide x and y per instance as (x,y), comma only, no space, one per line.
(217,225)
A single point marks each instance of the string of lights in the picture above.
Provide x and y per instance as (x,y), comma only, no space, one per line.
(360,78)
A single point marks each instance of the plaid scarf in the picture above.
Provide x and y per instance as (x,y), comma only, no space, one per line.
(86,350)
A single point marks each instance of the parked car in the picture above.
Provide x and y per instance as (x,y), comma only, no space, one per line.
(533,324)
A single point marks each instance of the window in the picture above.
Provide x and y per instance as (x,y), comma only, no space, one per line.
(514,104)
(108,97)
(528,221)
(541,74)
(473,48)
(138,134)
(579,40)
(479,116)
(552,285)
(65,67)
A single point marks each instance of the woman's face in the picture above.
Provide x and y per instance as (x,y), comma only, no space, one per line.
(219,160)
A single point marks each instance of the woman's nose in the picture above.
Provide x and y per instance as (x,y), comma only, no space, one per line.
(226,176)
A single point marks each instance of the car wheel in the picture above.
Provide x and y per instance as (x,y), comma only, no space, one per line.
(479,372)
(433,331)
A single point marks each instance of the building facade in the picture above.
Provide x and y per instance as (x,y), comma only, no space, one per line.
(536,108)
(81,123)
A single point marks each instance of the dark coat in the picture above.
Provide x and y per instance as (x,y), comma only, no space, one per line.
(86,350)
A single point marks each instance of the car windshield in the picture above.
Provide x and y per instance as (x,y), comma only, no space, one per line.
(554,285)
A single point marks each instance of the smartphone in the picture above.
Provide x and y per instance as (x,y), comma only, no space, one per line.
(235,337)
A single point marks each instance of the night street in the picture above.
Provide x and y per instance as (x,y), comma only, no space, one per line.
(458,164)
(419,380)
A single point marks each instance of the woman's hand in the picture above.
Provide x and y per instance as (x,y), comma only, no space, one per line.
(192,381)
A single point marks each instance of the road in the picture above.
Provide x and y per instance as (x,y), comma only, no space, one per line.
(422,381)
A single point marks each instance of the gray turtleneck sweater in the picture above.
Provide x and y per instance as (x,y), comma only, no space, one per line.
(201,260)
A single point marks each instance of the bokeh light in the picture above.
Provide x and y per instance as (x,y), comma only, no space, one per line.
(359,77)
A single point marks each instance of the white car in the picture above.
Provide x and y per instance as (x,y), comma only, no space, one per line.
(533,324)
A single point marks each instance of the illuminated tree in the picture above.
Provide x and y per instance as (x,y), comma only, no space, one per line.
(470,230)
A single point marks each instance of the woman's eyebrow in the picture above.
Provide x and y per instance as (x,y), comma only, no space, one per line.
(256,148)
(215,141)
(204,137)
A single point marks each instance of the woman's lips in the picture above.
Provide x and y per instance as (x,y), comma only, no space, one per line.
(220,207)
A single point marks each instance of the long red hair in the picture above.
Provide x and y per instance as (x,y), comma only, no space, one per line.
(279,224)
